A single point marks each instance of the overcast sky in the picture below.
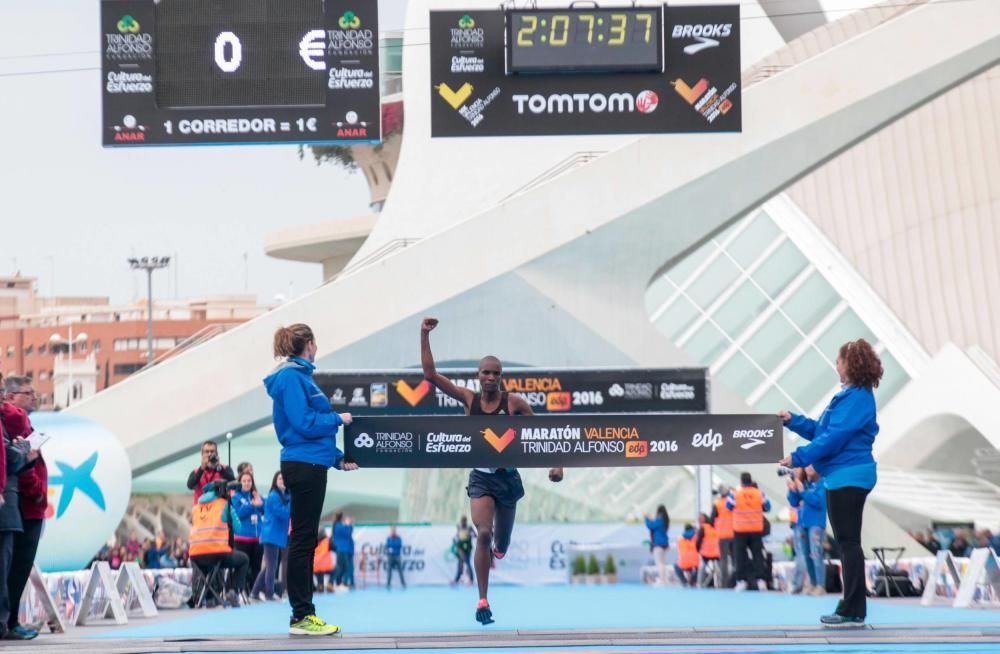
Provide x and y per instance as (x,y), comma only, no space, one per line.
(69,205)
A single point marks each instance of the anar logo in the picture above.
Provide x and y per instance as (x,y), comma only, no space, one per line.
(364,440)
(636,449)
(559,401)
(455,98)
(413,396)
(499,443)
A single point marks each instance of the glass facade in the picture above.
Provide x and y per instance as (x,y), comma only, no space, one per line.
(749,305)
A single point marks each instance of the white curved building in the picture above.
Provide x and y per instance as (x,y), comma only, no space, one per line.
(861,199)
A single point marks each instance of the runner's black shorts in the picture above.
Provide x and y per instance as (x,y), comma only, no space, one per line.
(504,486)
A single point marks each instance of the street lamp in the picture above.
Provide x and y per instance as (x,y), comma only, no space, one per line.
(56,339)
(149,264)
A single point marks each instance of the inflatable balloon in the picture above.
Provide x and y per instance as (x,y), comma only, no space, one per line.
(90,481)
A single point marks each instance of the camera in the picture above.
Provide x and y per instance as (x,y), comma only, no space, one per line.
(785,471)
(222,487)
(213,459)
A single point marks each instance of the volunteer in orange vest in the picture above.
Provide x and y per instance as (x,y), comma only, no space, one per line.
(748,505)
(708,547)
(323,562)
(213,521)
(722,519)
(687,557)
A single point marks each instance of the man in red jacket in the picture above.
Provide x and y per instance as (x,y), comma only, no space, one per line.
(33,488)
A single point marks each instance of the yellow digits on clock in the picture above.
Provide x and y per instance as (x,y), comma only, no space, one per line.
(559,21)
(527,31)
(618,29)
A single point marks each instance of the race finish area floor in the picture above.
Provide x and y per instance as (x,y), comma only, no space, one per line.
(619,619)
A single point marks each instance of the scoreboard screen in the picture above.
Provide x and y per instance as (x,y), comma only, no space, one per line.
(179,72)
(239,53)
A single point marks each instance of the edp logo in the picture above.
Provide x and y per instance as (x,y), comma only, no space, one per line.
(708,439)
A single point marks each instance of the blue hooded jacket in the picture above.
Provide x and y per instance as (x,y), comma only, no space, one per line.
(658,531)
(249,525)
(811,504)
(842,438)
(277,508)
(305,422)
(343,538)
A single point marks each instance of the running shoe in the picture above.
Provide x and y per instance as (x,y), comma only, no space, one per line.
(311,625)
(837,620)
(483,613)
(498,555)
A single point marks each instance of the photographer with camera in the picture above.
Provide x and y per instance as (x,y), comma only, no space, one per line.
(213,523)
(209,471)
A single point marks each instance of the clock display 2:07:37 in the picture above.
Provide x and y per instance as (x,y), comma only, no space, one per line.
(581,28)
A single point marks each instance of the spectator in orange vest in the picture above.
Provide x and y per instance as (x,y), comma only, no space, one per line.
(323,562)
(748,505)
(708,547)
(687,557)
(722,520)
(213,520)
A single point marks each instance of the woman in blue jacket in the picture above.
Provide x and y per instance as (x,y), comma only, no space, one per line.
(807,495)
(249,506)
(841,451)
(343,542)
(273,538)
(659,543)
(306,426)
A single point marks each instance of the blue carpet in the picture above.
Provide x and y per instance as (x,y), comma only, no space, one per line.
(958,648)
(544,607)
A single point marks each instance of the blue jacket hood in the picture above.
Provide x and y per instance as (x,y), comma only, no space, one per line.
(304,420)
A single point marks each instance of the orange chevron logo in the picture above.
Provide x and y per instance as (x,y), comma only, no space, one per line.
(413,395)
(688,93)
(499,443)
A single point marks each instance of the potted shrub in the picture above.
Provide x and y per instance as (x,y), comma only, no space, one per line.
(610,570)
(579,569)
(593,570)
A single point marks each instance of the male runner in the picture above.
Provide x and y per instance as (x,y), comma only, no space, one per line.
(494,492)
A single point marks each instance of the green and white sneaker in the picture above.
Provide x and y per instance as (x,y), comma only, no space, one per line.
(312,625)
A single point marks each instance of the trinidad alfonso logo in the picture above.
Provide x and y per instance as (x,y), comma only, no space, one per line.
(349,21)
(499,443)
(466,22)
(413,396)
(128,25)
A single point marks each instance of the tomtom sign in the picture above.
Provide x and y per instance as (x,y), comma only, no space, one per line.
(472,93)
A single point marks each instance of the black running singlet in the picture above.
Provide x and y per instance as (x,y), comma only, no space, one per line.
(476,407)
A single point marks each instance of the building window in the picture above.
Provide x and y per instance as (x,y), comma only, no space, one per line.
(41,349)
(127,368)
(43,375)
(10,351)
(29,350)
(97,345)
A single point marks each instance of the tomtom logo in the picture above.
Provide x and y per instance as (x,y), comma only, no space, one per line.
(364,440)
(579,103)
(707,36)
(708,439)
(752,437)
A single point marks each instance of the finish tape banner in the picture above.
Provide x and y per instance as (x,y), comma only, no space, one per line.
(546,390)
(587,441)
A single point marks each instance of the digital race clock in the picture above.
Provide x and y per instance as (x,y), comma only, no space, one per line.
(585,41)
